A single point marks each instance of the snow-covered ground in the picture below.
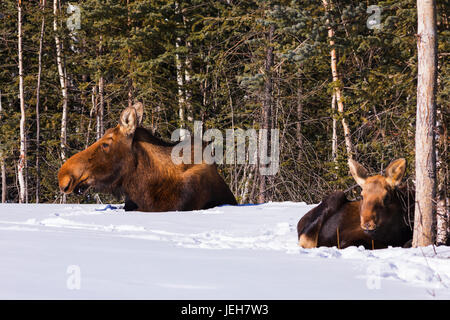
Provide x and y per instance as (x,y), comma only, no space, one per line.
(246,252)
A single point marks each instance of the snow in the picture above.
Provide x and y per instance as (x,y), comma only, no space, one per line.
(50,251)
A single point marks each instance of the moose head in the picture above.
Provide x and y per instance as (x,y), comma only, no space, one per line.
(102,164)
(377,205)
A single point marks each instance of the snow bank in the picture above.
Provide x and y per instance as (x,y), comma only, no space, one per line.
(229,252)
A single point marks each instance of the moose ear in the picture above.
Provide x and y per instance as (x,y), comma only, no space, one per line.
(139,107)
(128,121)
(358,172)
(395,172)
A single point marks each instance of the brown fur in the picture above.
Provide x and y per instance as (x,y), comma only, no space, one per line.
(132,162)
(380,219)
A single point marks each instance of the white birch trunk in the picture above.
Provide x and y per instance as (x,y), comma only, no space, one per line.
(334,133)
(38,89)
(3,169)
(62,81)
(188,102)
(187,77)
(266,114)
(245,189)
(337,89)
(2,161)
(299,122)
(442,205)
(91,113)
(23,142)
(130,74)
(180,82)
(100,108)
(425,208)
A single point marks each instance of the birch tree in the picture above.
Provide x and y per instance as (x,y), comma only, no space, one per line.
(62,82)
(3,169)
(266,122)
(130,78)
(442,201)
(2,160)
(38,90)
(334,142)
(183,76)
(100,108)
(425,207)
(21,166)
(299,121)
(337,92)
(188,74)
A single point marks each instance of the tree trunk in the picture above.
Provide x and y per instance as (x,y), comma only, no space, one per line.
(180,85)
(334,143)
(130,77)
(442,205)
(425,208)
(266,108)
(62,81)
(181,81)
(100,108)
(38,89)
(299,122)
(188,76)
(21,166)
(3,169)
(93,109)
(2,161)
(337,86)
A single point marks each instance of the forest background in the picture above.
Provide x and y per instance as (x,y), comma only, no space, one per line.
(337,79)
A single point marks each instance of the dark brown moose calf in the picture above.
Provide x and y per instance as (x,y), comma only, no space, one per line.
(128,160)
(379,220)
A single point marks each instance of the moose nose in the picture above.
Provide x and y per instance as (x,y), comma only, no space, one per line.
(64,183)
(369,226)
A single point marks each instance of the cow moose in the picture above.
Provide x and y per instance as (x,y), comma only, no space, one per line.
(130,161)
(380,219)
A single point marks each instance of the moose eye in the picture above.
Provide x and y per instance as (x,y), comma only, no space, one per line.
(105,146)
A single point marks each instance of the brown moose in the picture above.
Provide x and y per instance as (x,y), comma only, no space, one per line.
(380,219)
(130,161)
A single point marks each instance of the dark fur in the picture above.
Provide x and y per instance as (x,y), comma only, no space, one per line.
(143,172)
(311,223)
